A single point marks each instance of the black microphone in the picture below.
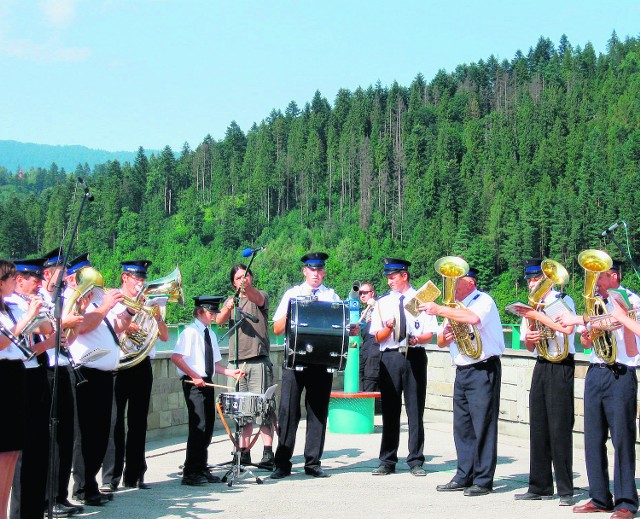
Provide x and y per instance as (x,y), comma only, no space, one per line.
(250,252)
(610,229)
(87,193)
(251,317)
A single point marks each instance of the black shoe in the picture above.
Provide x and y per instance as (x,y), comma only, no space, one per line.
(267,461)
(75,509)
(417,470)
(529,496)
(109,487)
(143,486)
(452,486)
(383,470)
(245,457)
(59,511)
(316,472)
(567,501)
(194,480)
(210,477)
(137,484)
(97,500)
(476,490)
(280,473)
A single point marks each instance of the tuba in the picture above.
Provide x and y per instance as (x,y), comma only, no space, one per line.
(553,273)
(594,262)
(87,279)
(136,345)
(451,268)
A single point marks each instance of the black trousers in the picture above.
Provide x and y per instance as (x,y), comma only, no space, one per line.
(317,382)
(30,478)
(93,401)
(126,451)
(476,404)
(369,364)
(551,425)
(400,374)
(65,433)
(610,406)
(201,407)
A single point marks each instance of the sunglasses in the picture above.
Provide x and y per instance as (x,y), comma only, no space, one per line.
(363,292)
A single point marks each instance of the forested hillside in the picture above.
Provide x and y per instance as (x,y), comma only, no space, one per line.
(494,161)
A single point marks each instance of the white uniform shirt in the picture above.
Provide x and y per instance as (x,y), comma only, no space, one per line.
(388,307)
(550,297)
(489,328)
(11,352)
(621,357)
(191,346)
(303,290)
(101,338)
(19,307)
(62,359)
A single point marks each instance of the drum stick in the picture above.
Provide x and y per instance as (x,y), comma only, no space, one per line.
(211,385)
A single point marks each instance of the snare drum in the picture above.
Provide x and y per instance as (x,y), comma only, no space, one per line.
(317,334)
(240,404)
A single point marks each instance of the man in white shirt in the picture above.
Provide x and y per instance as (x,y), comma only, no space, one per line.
(403,367)
(476,392)
(197,357)
(315,379)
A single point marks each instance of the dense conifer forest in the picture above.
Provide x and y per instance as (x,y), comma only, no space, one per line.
(494,161)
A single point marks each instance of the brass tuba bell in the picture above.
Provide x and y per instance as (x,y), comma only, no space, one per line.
(595,262)
(137,345)
(553,273)
(452,268)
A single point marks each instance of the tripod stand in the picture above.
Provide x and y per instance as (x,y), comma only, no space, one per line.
(235,470)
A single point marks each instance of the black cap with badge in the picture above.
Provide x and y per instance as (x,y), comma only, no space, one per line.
(314,260)
(136,267)
(211,303)
(30,267)
(53,258)
(77,263)
(392,265)
(532,268)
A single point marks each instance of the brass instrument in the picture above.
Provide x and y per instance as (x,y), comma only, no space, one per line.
(136,345)
(553,273)
(594,262)
(467,337)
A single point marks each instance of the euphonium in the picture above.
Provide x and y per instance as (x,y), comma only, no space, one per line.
(467,337)
(594,262)
(87,278)
(135,346)
(553,273)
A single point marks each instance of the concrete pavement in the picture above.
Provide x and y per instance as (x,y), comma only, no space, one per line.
(350,491)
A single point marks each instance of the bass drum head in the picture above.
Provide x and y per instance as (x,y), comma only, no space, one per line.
(317,334)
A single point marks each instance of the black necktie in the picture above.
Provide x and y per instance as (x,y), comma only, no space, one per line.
(403,322)
(314,292)
(208,354)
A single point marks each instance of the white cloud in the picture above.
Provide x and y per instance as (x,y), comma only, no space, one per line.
(43,52)
(59,13)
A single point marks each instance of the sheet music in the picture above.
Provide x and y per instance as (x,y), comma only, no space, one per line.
(556,308)
(92,355)
(426,294)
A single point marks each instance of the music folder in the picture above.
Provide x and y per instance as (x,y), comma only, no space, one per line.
(426,294)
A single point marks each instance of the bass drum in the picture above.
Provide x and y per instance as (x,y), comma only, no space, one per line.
(317,335)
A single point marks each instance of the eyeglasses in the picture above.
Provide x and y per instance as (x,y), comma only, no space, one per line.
(364,292)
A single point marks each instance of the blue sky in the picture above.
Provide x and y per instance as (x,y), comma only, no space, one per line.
(118,74)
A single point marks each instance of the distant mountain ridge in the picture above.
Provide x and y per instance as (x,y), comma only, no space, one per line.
(25,155)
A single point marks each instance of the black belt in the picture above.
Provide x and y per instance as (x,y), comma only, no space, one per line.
(483,363)
(402,349)
(568,358)
(617,368)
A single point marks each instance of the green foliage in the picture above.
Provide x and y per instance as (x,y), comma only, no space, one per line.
(494,162)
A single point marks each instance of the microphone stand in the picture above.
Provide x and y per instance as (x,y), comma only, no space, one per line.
(57,301)
(238,319)
(624,253)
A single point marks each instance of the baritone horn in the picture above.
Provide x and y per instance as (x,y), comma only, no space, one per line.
(135,345)
(553,273)
(595,262)
(467,337)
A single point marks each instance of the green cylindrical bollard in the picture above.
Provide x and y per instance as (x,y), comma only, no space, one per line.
(352,369)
